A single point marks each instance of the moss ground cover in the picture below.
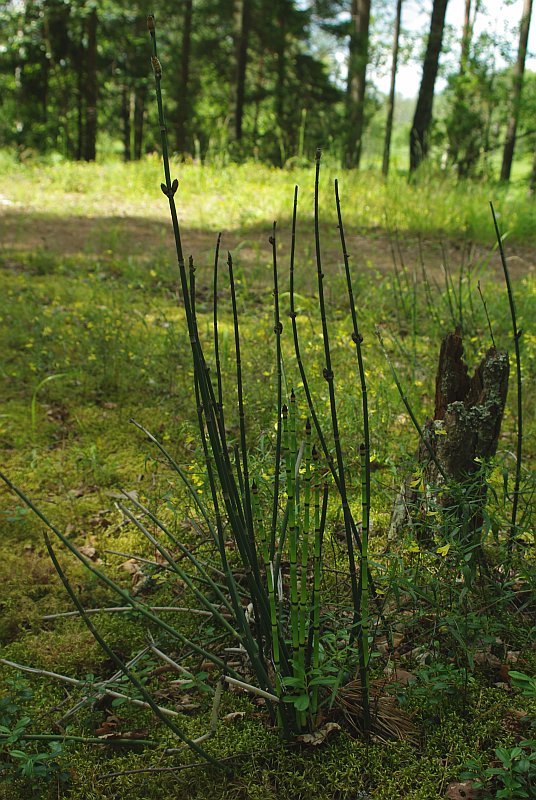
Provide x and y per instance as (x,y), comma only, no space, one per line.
(91,336)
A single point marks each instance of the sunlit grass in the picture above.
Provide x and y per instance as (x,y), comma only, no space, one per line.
(237,196)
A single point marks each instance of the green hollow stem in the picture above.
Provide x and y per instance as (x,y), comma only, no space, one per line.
(242,424)
(246,541)
(215,329)
(229,489)
(181,573)
(303,609)
(364,453)
(278,329)
(516,336)
(200,413)
(268,568)
(65,737)
(364,627)
(293,529)
(317,581)
(329,378)
(303,375)
(288,422)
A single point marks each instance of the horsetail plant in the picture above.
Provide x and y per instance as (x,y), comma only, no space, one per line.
(282,636)
(242,504)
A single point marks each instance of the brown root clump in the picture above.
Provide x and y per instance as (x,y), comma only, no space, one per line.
(388,720)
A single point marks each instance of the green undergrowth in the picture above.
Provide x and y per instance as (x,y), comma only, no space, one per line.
(262,769)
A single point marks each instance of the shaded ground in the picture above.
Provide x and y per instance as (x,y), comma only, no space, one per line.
(135,237)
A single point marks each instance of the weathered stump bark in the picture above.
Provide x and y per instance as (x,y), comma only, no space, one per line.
(463,434)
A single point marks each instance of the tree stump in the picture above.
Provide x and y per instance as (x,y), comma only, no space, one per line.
(462,435)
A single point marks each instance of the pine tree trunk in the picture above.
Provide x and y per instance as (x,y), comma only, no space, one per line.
(139,115)
(80,98)
(242,25)
(391,100)
(91,88)
(519,69)
(466,37)
(281,60)
(418,147)
(357,74)
(463,434)
(183,99)
(532,184)
(125,115)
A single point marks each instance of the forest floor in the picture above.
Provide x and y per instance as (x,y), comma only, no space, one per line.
(91,335)
(23,231)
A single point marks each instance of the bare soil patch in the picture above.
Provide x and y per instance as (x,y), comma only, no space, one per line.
(120,236)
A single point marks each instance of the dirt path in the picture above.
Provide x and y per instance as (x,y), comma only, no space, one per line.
(23,232)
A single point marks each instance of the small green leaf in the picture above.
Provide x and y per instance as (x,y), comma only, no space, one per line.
(301,703)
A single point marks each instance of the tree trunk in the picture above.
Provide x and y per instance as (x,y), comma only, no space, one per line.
(463,434)
(391,100)
(519,69)
(242,25)
(80,96)
(139,115)
(357,74)
(466,37)
(281,58)
(532,184)
(90,144)
(125,115)
(183,99)
(418,140)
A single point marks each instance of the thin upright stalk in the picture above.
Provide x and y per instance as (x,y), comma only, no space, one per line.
(278,329)
(317,579)
(364,452)
(517,335)
(268,568)
(289,421)
(314,417)
(242,417)
(364,628)
(303,610)
(483,299)
(215,328)
(329,377)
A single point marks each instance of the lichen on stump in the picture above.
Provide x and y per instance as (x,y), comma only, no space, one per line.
(463,434)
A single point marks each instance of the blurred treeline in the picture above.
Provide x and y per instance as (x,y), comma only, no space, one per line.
(263,79)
